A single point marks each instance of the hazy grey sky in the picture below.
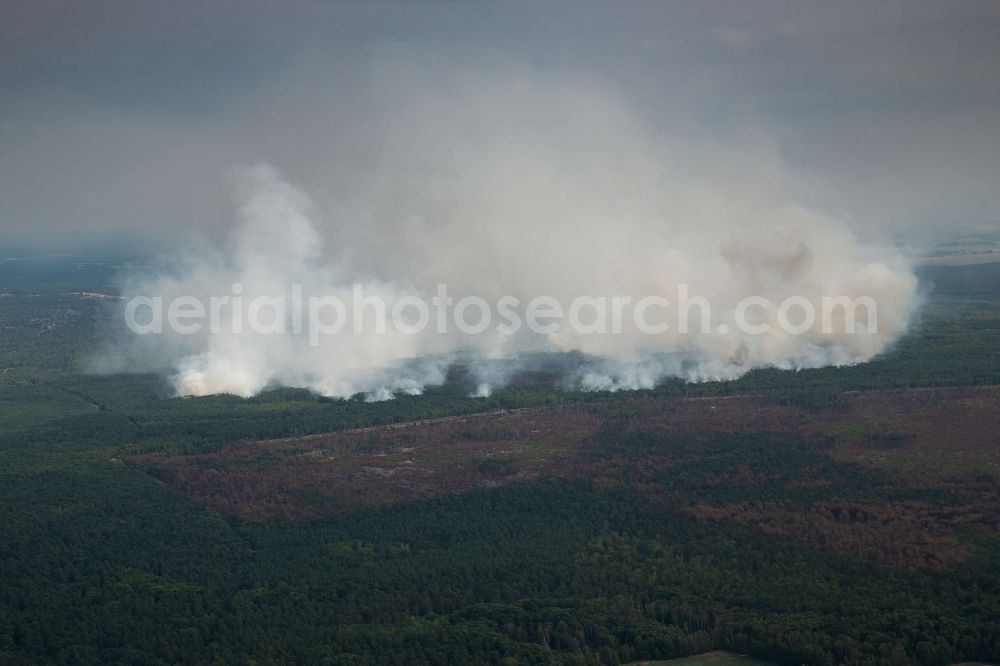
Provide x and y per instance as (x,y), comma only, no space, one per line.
(128,115)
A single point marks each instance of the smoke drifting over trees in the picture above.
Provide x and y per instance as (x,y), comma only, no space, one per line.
(521,186)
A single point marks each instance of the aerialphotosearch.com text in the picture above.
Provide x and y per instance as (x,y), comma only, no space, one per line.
(362,310)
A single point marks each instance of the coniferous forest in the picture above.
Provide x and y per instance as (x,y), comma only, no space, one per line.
(137,529)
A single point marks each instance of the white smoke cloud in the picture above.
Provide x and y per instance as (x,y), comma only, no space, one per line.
(523,187)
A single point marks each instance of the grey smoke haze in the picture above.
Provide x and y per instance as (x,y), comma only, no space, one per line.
(126,115)
(508,148)
(518,185)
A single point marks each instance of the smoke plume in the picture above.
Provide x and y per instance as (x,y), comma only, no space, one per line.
(521,188)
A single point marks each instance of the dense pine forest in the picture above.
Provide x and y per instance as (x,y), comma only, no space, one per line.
(645,543)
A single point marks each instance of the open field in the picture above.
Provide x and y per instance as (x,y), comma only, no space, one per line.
(715,658)
(300,477)
(903,430)
(913,445)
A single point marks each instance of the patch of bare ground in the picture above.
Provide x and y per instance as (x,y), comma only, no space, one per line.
(941,440)
(928,431)
(302,477)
